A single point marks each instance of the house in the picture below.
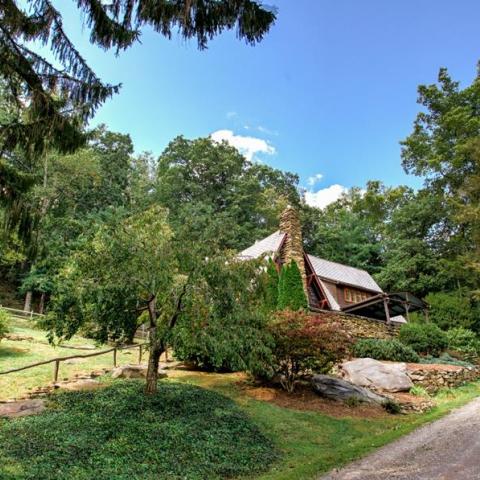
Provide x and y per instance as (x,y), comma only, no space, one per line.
(330,285)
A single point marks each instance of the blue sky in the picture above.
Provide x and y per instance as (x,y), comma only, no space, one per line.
(328,94)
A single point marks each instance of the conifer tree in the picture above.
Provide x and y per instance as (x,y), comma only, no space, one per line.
(271,299)
(291,294)
(56,100)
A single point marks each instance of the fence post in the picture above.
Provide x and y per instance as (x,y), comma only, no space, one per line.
(55,371)
(140,348)
(115,356)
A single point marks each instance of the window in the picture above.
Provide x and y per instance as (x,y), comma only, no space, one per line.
(354,296)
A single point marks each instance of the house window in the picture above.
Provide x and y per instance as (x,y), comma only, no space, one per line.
(354,296)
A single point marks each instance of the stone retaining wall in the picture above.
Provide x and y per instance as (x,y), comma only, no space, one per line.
(434,377)
(362,327)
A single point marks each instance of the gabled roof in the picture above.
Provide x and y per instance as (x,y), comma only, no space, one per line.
(330,298)
(344,274)
(271,244)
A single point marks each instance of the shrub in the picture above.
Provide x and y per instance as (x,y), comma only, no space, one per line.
(445,359)
(303,343)
(391,407)
(385,350)
(291,294)
(3,323)
(424,338)
(464,341)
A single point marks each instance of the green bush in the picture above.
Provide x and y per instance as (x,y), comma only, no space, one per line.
(464,341)
(182,432)
(385,350)
(4,317)
(424,338)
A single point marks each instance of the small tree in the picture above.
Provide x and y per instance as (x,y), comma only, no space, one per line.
(305,343)
(291,294)
(128,267)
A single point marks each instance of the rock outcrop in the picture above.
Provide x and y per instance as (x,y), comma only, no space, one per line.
(339,389)
(381,377)
(134,371)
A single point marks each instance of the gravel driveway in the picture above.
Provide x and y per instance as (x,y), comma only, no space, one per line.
(447,449)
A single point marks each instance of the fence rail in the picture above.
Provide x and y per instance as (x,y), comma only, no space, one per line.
(22,314)
(58,360)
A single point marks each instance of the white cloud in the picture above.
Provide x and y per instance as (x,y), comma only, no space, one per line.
(325,196)
(231,114)
(314,179)
(248,146)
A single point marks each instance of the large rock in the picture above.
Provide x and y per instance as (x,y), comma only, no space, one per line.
(388,377)
(134,371)
(338,389)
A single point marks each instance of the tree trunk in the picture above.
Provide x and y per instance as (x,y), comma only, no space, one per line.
(156,349)
(27,307)
(41,307)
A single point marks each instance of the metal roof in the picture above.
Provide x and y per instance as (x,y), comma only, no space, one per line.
(337,272)
(271,244)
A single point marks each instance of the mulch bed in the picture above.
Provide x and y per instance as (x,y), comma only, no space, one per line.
(304,399)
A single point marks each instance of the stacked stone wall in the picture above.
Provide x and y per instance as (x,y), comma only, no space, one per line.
(362,327)
(435,377)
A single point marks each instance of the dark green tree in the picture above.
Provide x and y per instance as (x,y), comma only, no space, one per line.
(291,294)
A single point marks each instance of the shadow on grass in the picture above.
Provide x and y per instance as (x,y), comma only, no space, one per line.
(12,352)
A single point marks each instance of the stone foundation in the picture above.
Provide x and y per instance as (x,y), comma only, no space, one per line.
(435,377)
(361,327)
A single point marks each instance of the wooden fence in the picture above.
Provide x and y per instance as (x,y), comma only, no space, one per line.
(22,314)
(57,361)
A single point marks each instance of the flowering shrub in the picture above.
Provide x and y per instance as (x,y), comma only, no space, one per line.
(305,343)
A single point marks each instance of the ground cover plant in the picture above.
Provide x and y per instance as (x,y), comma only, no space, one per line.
(181,432)
(392,350)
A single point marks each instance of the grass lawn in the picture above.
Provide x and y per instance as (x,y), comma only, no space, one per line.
(15,354)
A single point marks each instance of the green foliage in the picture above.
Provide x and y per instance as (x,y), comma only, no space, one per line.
(127,261)
(216,197)
(60,97)
(222,326)
(450,310)
(304,343)
(291,294)
(271,289)
(391,407)
(419,391)
(424,338)
(384,350)
(464,341)
(446,359)
(182,432)
(4,318)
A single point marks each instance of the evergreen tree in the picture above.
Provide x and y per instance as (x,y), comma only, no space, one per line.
(271,293)
(57,100)
(291,294)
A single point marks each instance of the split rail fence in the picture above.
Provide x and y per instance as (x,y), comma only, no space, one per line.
(58,360)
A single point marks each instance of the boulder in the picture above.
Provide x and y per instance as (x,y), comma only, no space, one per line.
(388,377)
(134,371)
(81,385)
(22,408)
(338,389)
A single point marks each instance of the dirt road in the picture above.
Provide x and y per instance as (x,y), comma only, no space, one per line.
(448,449)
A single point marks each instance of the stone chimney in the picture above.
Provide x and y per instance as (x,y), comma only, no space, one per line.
(293,244)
